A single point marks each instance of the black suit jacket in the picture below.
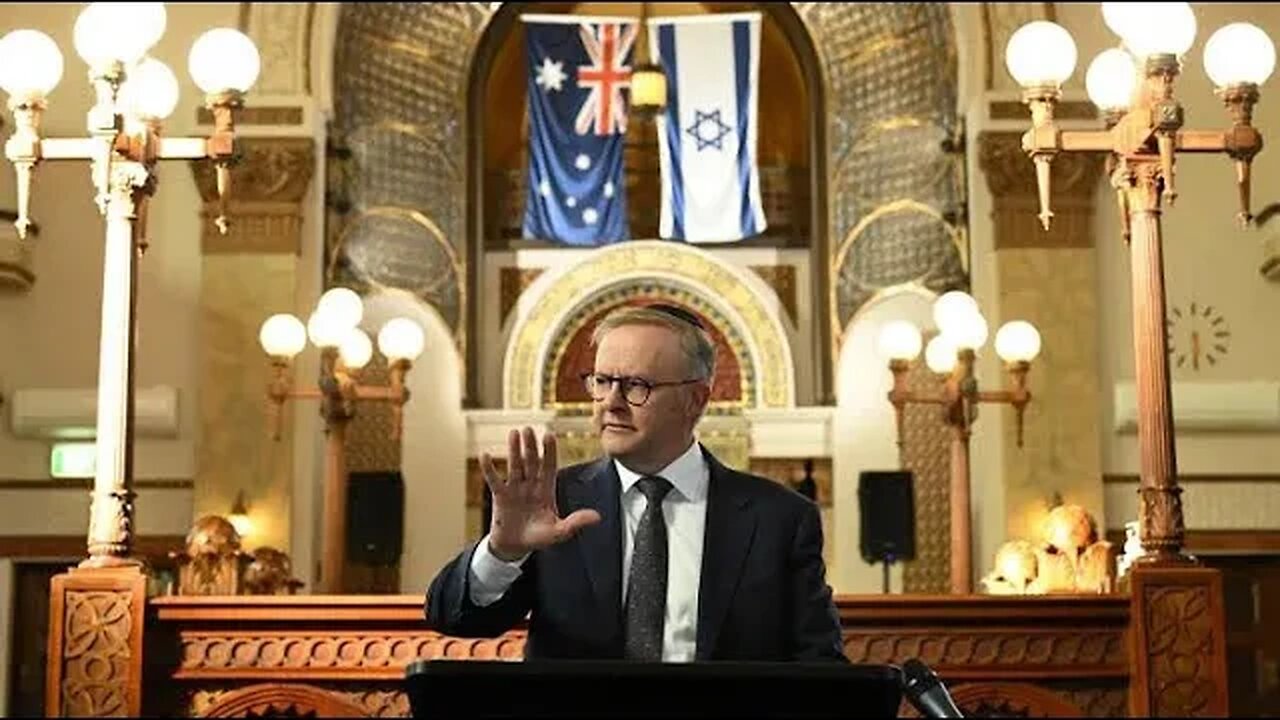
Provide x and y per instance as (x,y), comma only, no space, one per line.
(763,593)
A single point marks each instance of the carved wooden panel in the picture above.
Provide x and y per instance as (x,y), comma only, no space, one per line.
(322,699)
(1013,648)
(337,654)
(1180,645)
(1099,702)
(1020,656)
(278,700)
(1011,700)
(95,667)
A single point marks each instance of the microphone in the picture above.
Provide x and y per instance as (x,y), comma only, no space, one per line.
(926,693)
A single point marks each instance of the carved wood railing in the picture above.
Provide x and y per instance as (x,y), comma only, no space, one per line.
(238,656)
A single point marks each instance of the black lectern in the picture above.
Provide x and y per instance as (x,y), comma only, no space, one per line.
(611,689)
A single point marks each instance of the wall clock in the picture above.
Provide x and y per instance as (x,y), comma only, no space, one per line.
(1197,334)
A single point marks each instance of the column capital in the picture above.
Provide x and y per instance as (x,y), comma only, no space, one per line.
(1011,178)
(17,274)
(268,187)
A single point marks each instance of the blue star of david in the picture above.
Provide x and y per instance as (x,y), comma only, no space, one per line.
(708,120)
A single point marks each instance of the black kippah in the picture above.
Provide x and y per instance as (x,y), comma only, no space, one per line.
(676,311)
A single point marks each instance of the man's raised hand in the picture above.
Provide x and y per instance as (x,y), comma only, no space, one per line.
(525,516)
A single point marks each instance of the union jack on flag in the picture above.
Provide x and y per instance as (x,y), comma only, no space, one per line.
(605,108)
(579,88)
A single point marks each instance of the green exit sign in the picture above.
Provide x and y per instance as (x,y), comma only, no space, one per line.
(73,460)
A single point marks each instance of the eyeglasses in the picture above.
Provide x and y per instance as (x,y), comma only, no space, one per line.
(635,390)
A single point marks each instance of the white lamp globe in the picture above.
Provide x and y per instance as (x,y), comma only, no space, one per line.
(125,31)
(940,355)
(151,92)
(356,349)
(1018,341)
(1040,53)
(282,335)
(1239,53)
(968,334)
(1165,28)
(224,59)
(325,331)
(30,64)
(900,340)
(401,339)
(151,19)
(343,305)
(952,308)
(1110,79)
(1121,16)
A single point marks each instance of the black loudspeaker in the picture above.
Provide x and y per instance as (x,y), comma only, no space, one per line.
(888,516)
(375,518)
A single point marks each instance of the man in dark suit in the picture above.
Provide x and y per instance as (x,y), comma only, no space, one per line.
(663,553)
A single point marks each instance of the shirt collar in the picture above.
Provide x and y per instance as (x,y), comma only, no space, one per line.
(688,474)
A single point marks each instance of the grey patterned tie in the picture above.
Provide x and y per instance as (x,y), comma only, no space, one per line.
(647,586)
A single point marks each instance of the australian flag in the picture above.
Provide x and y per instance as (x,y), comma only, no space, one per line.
(579,88)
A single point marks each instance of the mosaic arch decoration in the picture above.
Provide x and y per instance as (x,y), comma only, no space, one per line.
(559,296)
(397,184)
(734,382)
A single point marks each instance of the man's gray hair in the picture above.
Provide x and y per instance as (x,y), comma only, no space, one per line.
(699,351)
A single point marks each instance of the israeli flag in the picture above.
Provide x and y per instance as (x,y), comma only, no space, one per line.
(707,136)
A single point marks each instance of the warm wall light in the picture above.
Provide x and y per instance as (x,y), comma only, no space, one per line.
(239,517)
(648,80)
(344,350)
(951,353)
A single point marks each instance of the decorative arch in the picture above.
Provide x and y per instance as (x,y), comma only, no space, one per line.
(277,700)
(1007,700)
(571,353)
(555,298)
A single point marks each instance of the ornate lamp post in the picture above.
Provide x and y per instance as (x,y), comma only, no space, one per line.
(1134,86)
(951,354)
(344,350)
(124,147)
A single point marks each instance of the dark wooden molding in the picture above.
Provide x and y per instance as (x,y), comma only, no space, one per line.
(74,546)
(1208,477)
(87,484)
(1222,541)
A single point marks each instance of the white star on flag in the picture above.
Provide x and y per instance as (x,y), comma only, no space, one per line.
(551,75)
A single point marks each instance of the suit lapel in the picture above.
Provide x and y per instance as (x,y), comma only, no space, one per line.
(601,544)
(730,526)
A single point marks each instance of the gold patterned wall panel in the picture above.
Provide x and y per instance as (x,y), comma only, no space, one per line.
(370,446)
(926,452)
(397,184)
(896,192)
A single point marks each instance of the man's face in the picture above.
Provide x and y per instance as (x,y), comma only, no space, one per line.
(662,426)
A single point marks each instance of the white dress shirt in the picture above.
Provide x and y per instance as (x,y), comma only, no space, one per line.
(685,512)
